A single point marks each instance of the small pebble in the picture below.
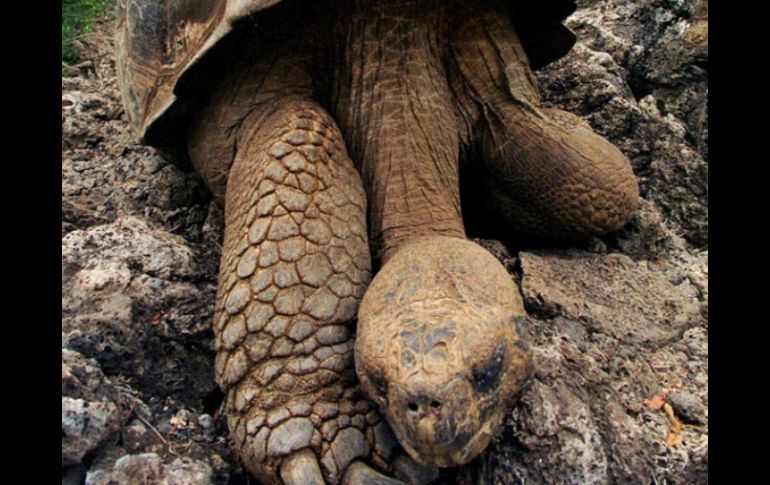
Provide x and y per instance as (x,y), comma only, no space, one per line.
(205,421)
(596,245)
(153,164)
(701,379)
(687,406)
(143,410)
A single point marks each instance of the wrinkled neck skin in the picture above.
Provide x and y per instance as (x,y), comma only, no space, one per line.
(392,99)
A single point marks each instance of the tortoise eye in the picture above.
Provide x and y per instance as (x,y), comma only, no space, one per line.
(379,383)
(486,377)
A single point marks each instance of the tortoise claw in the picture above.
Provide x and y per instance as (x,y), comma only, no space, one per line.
(302,468)
(359,473)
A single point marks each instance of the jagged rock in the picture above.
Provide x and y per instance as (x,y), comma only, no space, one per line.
(149,468)
(93,408)
(105,173)
(138,300)
(84,425)
(687,406)
(610,294)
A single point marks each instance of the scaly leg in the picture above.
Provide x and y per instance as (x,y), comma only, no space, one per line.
(295,263)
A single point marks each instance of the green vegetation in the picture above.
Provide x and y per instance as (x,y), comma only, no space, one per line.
(77,18)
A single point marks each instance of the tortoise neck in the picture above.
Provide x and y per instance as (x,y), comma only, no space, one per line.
(395,108)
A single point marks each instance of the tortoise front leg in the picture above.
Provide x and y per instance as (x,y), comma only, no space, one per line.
(295,263)
(546,172)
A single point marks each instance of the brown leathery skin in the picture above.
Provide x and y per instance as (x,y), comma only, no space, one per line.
(547,173)
(438,348)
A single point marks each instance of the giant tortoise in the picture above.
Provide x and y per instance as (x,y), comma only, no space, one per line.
(334,133)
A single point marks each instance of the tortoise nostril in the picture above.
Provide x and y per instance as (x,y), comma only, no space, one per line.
(435,404)
(412,406)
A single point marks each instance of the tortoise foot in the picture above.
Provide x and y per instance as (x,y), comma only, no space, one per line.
(359,473)
(552,177)
(545,172)
(408,472)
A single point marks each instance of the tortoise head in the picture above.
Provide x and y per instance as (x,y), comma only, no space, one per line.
(438,348)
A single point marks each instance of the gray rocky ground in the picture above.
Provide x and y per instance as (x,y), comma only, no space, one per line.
(619,326)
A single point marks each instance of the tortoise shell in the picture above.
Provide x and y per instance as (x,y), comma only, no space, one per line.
(164,46)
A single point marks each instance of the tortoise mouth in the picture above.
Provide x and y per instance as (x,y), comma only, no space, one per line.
(441,426)
(464,447)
